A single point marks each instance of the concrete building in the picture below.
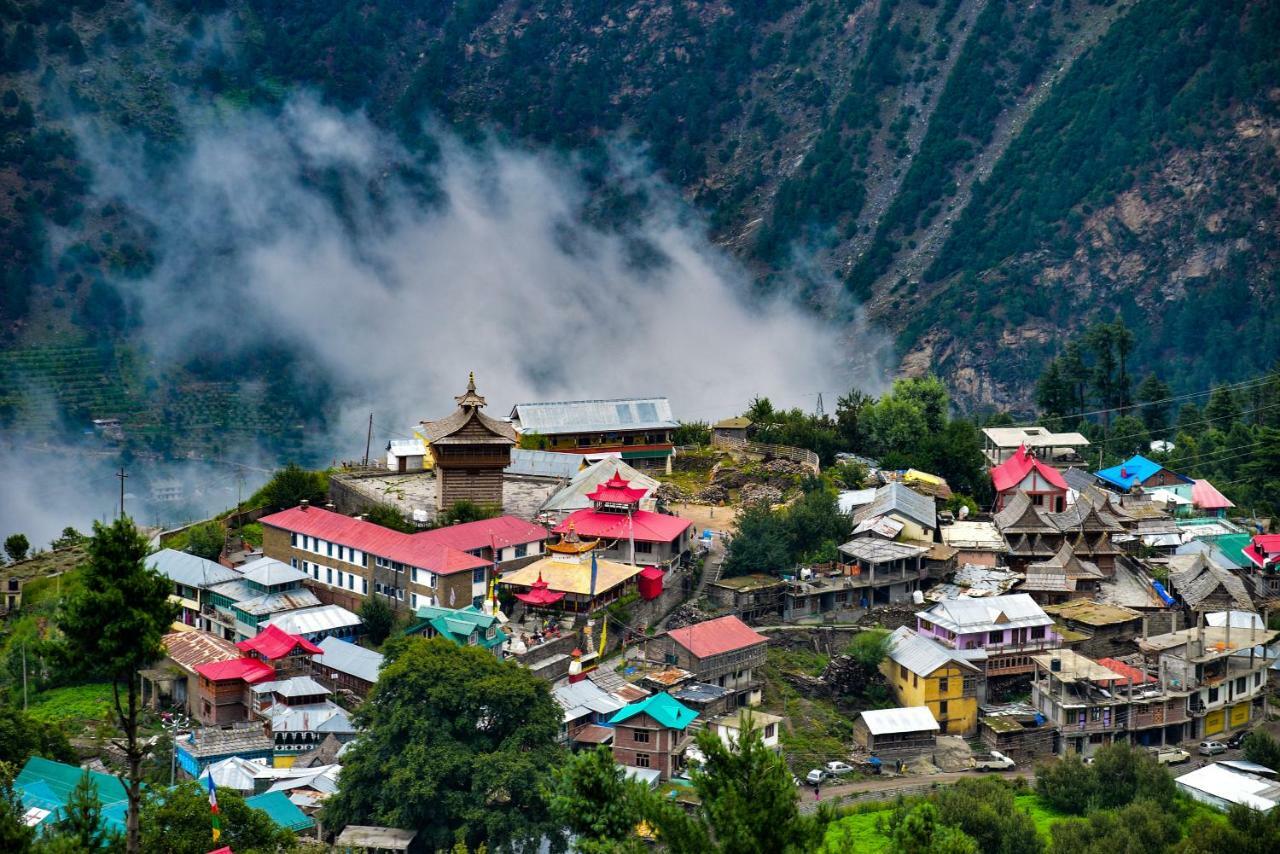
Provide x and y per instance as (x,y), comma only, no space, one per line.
(923,673)
(729,727)
(1099,630)
(192,577)
(651,734)
(1007,629)
(1059,450)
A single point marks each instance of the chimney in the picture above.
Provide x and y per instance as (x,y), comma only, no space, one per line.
(330,506)
(304,503)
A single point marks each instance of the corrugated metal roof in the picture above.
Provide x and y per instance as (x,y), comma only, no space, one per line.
(583,416)
(189,569)
(574,495)
(191,649)
(898,498)
(306,621)
(1227,784)
(902,719)
(348,658)
(273,603)
(294,686)
(920,655)
(995,613)
(528,463)
(579,699)
(876,550)
(270,572)
(281,810)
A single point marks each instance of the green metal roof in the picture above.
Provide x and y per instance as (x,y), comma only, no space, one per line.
(282,811)
(458,625)
(663,708)
(1233,546)
(645,455)
(47,785)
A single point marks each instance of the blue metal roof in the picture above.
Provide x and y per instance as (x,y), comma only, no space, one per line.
(1136,469)
(282,811)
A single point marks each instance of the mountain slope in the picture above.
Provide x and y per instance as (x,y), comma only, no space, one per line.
(989,176)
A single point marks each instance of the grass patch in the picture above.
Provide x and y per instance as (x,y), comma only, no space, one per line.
(862,831)
(74,707)
(1041,813)
(815,730)
(252,534)
(42,592)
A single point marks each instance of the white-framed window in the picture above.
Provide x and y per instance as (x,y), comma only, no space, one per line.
(364,586)
(522,550)
(293,540)
(293,562)
(413,600)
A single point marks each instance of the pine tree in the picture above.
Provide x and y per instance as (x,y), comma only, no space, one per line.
(1155,414)
(82,815)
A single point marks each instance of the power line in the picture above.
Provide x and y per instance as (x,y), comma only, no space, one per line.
(1261,379)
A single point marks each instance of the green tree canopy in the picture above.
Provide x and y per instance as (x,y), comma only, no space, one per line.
(454,745)
(16,546)
(389,517)
(21,736)
(207,540)
(378,619)
(596,802)
(177,821)
(291,485)
(112,627)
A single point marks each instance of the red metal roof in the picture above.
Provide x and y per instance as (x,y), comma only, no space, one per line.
(272,643)
(1125,671)
(1264,550)
(251,670)
(367,537)
(1207,497)
(1011,472)
(714,637)
(540,594)
(617,490)
(646,526)
(501,531)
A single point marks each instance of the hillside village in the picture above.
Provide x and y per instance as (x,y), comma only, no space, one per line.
(1082,608)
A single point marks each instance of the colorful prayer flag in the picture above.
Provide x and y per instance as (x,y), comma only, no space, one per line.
(213,809)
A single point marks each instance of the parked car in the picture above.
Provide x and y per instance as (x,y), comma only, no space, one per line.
(838,769)
(1237,739)
(995,761)
(1212,748)
(816,777)
(1170,755)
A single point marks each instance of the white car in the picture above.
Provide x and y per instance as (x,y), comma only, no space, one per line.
(1171,755)
(1210,748)
(816,777)
(838,769)
(995,762)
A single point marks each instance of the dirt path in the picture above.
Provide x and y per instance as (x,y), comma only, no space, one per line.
(888,788)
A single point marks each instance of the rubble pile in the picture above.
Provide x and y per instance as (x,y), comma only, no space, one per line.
(714,494)
(686,615)
(756,493)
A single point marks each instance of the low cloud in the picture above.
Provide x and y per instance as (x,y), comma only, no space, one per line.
(300,227)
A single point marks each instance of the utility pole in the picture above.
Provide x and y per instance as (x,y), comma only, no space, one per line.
(121,474)
(24,677)
(368,440)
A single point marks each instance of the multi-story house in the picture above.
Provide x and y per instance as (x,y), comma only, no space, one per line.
(1220,672)
(347,559)
(1035,535)
(639,429)
(192,577)
(922,672)
(344,666)
(1023,472)
(1008,629)
(630,533)
(1096,703)
(651,733)
(724,652)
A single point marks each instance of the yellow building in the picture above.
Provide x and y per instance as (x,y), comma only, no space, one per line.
(922,672)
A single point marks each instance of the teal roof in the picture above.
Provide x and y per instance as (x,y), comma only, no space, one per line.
(283,811)
(458,624)
(663,708)
(1233,546)
(47,785)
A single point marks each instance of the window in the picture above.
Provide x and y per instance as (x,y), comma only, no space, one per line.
(642,760)
(413,601)
(340,584)
(644,548)
(902,671)
(640,736)
(293,562)
(478,574)
(329,549)
(1095,714)
(1037,632)
(377,586)
(995,637)
(413,575)
(293,540)
(522,550)
(1213,695)
(1241,684)
(771,730)
(943,685)
(328,575)
(399,594)
(364,586)
(915,681)
(942,709)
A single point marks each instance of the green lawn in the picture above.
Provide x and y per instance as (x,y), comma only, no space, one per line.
(1042,814)
(75,707)
(860,829)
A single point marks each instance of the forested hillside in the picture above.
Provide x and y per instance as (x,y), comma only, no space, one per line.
(987,176)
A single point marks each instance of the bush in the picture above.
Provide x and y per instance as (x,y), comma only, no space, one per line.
(206,540)
(292,485)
